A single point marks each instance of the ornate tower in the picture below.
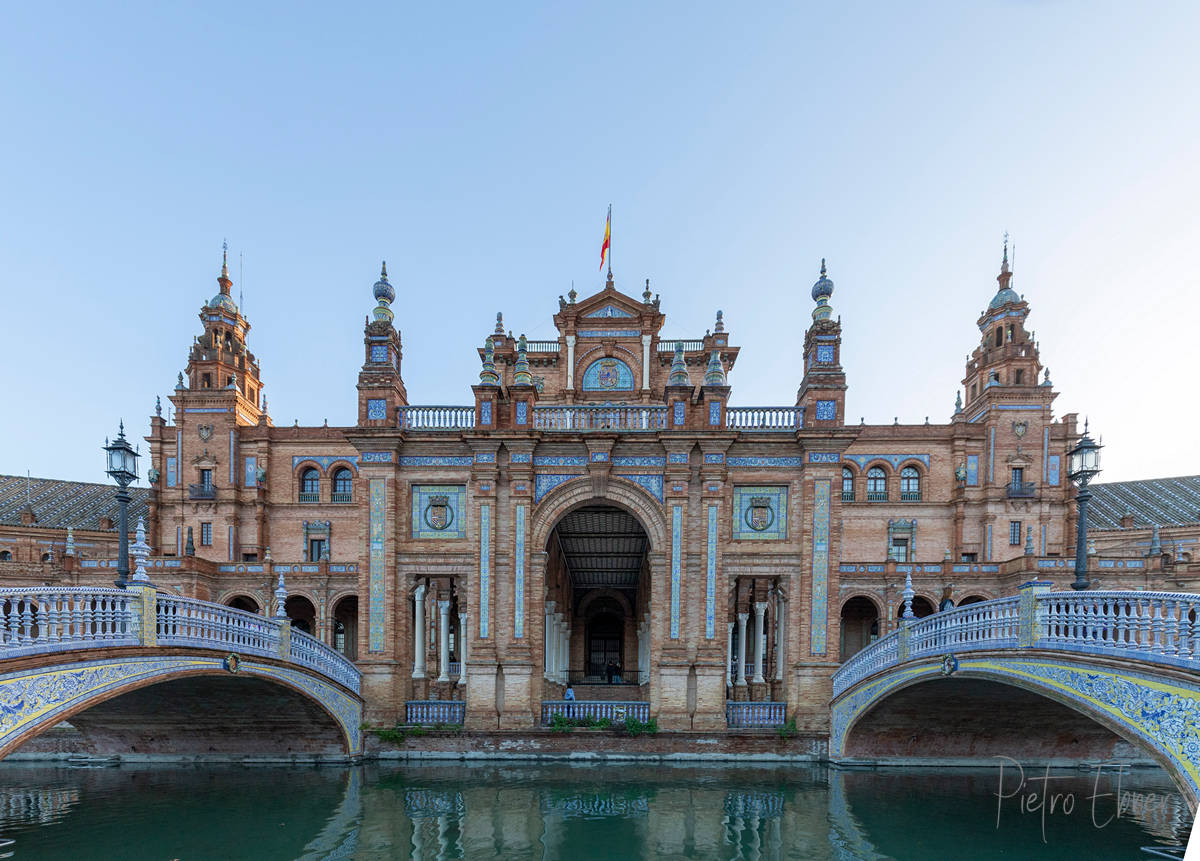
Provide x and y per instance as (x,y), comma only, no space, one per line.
(822,395)
(380,385)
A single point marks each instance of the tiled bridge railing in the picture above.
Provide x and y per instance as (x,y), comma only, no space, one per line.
(1158,627)
(615,711)
(42,621)
(747,714)
(433,712)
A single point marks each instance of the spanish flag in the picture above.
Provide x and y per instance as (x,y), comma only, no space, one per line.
(607,236)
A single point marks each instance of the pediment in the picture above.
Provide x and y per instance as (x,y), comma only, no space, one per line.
(607,305)
(607,311)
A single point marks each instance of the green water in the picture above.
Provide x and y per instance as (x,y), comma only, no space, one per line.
(574,812)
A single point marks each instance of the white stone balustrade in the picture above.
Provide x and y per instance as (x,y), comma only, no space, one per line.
(48,620)
(436,418)
(590,418)
(761,418)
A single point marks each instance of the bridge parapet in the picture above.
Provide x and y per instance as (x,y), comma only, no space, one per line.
(43,621)
(1158,627)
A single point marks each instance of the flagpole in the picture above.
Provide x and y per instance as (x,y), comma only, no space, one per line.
(610,242)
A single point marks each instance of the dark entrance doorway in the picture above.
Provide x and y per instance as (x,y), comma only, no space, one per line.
(605,633)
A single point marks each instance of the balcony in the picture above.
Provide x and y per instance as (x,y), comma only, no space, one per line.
(910,496)
(201,491)
(1021,490)
(847,496)
(339,497)
(876,496)
(310,497)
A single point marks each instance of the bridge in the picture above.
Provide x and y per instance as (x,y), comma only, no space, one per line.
(1128,661)
(148,672)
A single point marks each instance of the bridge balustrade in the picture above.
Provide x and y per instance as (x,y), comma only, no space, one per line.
(47,620)
(189,622)
(614,710)
(308,650)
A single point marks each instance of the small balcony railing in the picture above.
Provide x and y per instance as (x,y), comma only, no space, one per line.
(201,491)
(1021,490)
(910,496)
(613,710)
(433,712)
(310,497)
(876,496)
(341,497)
(755,714)
(847,496)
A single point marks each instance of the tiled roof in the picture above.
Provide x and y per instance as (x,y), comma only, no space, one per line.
(59,504)
(1162,501)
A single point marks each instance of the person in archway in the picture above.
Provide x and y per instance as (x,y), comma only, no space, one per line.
(616,673)
(608,671)
(947,603)
(569,694)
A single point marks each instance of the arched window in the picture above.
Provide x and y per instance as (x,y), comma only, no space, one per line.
(847,484)
(310,485)
(343,486)
(5,556)
(46,557)
(876,485)
(910,485)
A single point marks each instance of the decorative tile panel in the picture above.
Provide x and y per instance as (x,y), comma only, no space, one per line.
(1043,539)
(1045,454)
(376,457)
(826,411)
(676,566)
(172,478)
(379,353)
(418,460)
(677,457)
(522,412)
(376,409)
(714,413)
(546,460)
(608,311)
(824,457)
(1052,470)
(973,470)
(519,573)
(543,484)
(609,333)
(520,457)
(893,460)
(324,460)
(768,462)
(485,412)
(485,457)
(991,455)
(825,353)
(710,576)
(377,609)
(233,458)
(640,461)
(652,483)
(988,549)
(677,411)
(607,375)
(820,566)
(250,473)
(599,457)
(485,568)
(714,457)
(760,513)
(439,511)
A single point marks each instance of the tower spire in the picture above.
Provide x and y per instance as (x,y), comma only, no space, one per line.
(223,278)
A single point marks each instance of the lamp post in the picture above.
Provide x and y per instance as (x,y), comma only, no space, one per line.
(1083,464)
(122,468)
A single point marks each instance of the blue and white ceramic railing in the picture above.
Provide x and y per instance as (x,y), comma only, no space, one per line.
(748,714)
(48,620)
(432,712)
(616,711)
(436,418)
(589,418)
(761,418)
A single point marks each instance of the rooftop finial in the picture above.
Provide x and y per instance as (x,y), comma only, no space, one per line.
(822,267)
(715,374)
(223,278)
(1004,262)
(521,375)
(225,258)
(384,294)
(679,373)
(158,405)
(500,324)
(383,270)
(488,376)
(821,292)
(720,326)
(646,292)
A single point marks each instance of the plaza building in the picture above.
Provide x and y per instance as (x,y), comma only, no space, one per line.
(600,514)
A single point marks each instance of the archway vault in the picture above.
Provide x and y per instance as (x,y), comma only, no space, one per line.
(1156,711)
(33,700)
(585,491)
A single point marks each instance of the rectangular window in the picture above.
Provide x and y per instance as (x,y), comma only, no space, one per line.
(206,478)
(898,552)
(970,557)
(1018,476)
(1014,532)
(318,549)
(249,557)
(206,534)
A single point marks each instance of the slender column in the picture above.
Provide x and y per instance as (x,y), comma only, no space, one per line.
(570,362)
(760,612)
(419,633)
(547,634)
(729,653)
(443,641)
(741,673)
(780,637)
(462,645)
(564,664)
(645,361)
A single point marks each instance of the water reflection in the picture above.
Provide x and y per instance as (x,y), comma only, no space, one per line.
(489,810)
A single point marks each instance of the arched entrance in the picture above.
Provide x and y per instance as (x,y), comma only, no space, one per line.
(243,602)
(860,625)
(921,607)
(302,613)
(345,626)
(598,581)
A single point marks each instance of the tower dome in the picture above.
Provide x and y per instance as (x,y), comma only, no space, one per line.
(384,292)
(823,289)
(223,300)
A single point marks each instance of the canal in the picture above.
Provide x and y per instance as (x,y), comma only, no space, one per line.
(579,812)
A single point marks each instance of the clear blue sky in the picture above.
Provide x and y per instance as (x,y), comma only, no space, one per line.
(476,147)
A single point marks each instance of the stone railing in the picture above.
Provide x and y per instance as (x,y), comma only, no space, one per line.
(542,346)
(33,621)
(593,418)
(432,712)
(690,345)
(1157,627)
(40,621)
(436,418)
(616,711)
(747,714)
(761,418)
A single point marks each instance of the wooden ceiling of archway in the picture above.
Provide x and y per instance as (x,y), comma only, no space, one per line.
(603,548)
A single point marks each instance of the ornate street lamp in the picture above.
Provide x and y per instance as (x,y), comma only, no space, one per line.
(122,468)
(1083,464)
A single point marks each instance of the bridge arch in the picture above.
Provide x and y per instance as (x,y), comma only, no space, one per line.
(36,698)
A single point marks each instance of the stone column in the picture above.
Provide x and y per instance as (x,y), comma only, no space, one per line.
(760,612)
(419,633)
(645,361)
(780,636)
(547,638)
(564,664)
(443,641)
(570,362)
(463,636)
(729,653)
(741,673)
